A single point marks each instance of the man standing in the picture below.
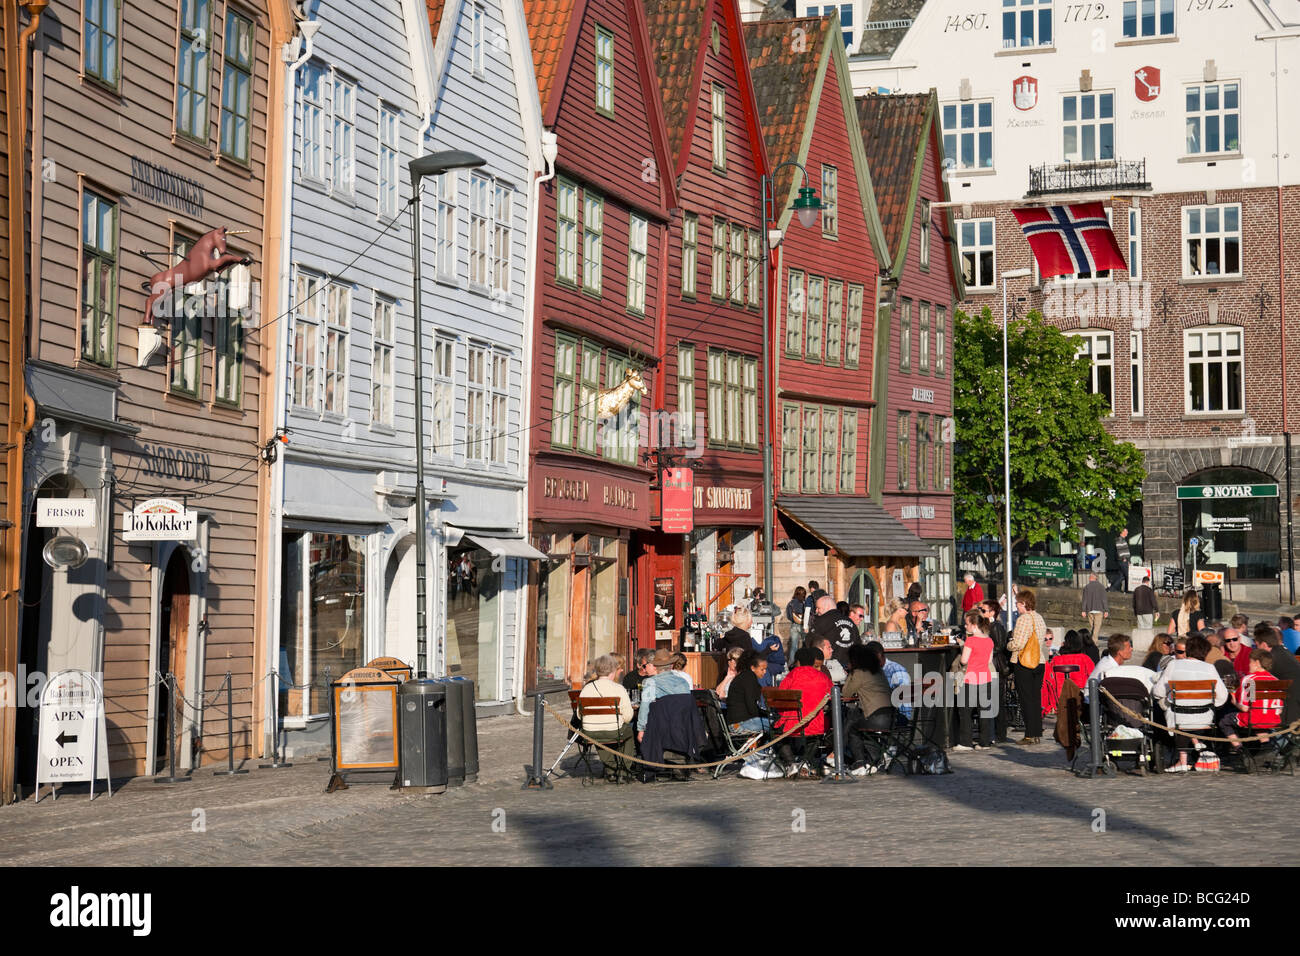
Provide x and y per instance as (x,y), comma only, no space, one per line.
(974,593)
(1122,554)
(1144,603)
(839,629)
(1095,606)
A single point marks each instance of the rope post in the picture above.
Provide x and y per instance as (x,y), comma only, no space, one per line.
(170,681)
(537,776)
(329,757)
(230,770)
(838,774)
(276,763)
(1094,723)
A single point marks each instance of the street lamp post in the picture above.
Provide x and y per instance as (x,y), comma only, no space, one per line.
(807,206)
(1006,440)
(433,164)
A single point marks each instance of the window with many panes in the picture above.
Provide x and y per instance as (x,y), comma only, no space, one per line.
(830,451)
(619,436)
(1213,118)
(794,311)
(905,335)
(604,71)
(638,237)
(228,348)
(588,397)
(791,421)
(686,393)
(848,451)
(1087,127)
(101,35)
(1212,240)
(1135,372)
(444,397)
(1213,361)
(853,328)
(834,320)
(738,284)
(566,232)
(448,224)
(1026,23)
(480,215)
(811,450)
(830,197)
(719,128)
(343,139)
(978,256)
(690,253)
(566,350)
(503,205)
(192,69)
(922,450)
(98,278)
(185,351)
(593,239)
(390,130)
(237,87)
(719,287)
(749,402)
(753,269)
(940,339)
(968,135)
(312,158)
(486,404)
(307,317)
(923,362)
(733,398)
(1098,349)
(1135,243)
(1148,18)
(717,372)
(383,342)
(940,454)
(499,404)
(904,448)
(926,226)
(816,303)
(334,373)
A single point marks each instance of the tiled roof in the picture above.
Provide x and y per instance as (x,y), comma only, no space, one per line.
(892,127)
(435,16)
(878,42)
(855,526)
(548,23)
(784,59)
(676,27)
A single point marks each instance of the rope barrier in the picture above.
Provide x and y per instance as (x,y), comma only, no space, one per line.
(1185,732)
(692,766)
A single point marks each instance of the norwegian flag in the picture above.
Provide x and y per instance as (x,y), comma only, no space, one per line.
(1068,240)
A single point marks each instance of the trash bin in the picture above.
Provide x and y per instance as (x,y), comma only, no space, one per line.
(455,691)
(469,727)
(422,729)
(1212,603)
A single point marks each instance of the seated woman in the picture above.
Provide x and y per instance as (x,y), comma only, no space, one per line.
(1160,651)
(1072,652)
(812,681)
(679,665)
(733,668)
(608,728)
(738,635)
(895,618)
(866,682)
(746,710)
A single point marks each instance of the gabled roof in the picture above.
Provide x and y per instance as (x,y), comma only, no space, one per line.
(894,135)
(548,26)
(676,28)
(895,16)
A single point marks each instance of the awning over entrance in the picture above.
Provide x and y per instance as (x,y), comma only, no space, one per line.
(856,527)
(504,547)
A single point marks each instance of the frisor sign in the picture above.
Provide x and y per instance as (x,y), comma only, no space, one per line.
(65,512)
(160,519)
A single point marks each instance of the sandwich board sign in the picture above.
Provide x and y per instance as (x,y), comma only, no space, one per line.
(73,736)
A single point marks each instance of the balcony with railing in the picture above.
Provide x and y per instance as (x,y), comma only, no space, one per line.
(1107,176)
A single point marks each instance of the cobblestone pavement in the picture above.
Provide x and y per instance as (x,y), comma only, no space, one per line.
(1010,805)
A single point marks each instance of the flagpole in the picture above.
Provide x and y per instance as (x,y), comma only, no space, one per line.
(1006,440)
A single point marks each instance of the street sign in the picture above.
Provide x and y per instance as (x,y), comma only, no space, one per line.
(1039,566)
(73,738)
(1226,491)
(160,519)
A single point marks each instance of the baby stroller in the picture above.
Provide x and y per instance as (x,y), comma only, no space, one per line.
(1136,741)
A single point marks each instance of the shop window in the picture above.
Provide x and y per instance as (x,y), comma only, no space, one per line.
(553,589)
(602,634)
(473,636)
(862,591)
(237,88)
(1215,375)
(1240,535)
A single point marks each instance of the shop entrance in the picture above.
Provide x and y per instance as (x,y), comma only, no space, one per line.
(862,590)
(174,637)
(1233,515)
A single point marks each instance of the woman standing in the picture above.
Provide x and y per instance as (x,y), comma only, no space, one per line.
(794,616)
(738,635)
(1028,651)
(980,689)
(1188,619)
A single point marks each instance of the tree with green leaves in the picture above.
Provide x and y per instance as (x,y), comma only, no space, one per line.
(1064,464)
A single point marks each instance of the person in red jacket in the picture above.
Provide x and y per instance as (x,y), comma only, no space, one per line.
(974,595)
(815,684)
(1235,650)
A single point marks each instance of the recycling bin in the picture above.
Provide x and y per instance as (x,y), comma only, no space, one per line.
(422,726)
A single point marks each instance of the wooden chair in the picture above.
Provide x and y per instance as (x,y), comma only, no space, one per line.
(1189,697)
(1255,755)
(589,707)
(784,704)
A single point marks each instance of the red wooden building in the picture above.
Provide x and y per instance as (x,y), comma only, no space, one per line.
(825,284)
(603,241)
(912,435)
(712,338)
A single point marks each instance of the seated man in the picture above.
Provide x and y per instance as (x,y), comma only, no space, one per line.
(837,628)
(746,711)
(1192,667)
(660,681)
(1264,714)
(608,728)
(633,678)
(897,676)
(1115,663)
(830,665)
(1290,635)
(809,678)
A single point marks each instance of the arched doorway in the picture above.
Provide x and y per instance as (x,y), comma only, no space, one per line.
(1233,514)
(862,591)
(399,602)
(174,638)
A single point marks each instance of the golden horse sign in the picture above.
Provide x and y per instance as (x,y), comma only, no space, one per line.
(616,399)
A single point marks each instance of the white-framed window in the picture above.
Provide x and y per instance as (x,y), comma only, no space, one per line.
(811,451)
(830,451)
(593,240)
(968,134)
(480,217)
(1135,372)
(588,394)
(1213,118)
(499,404)
(686,393)
(193,71)
(834,320)
(816,303)
(830,199)
(905,335)
(923,359)
(479,40)
(848,451)
(1212,240)
(1099,349)
(503,206)
(1215,375)
(978,253)
(390,148)
(1088,127)
(853,327)
(566,233)
(794,311)
(343,142)
(604,71)
(308,316)
(754,269)
(926,225)
(311,163)
(334,372)
(690,253)
(1026,23)
(791,422)
(1148,18)
(237,87)
(448,224)
(734,381)
(749,402)
(738,284)
(637,244)
(717,385)
(940,339)
(566,351)
(478,428)
(719,127)
(719,278)
(383,343)
(1134,243)
(444,397)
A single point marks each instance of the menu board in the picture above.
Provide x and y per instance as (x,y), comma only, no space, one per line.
(1173,579)
(365,720)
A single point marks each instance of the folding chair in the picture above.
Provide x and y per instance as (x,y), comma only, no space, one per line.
(880,734)
(723,741)
(583,746)
(788,705)
(1278,754)
(1192,697)
(591,707)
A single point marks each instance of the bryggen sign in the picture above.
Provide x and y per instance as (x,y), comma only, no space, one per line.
(159,184)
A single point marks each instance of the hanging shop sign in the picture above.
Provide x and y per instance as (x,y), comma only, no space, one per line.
(160,519)
(73,739)
(65,512)
(1226,491)
(1039,566)
(678,515)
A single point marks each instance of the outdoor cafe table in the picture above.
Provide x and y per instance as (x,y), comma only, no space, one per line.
(933,719)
